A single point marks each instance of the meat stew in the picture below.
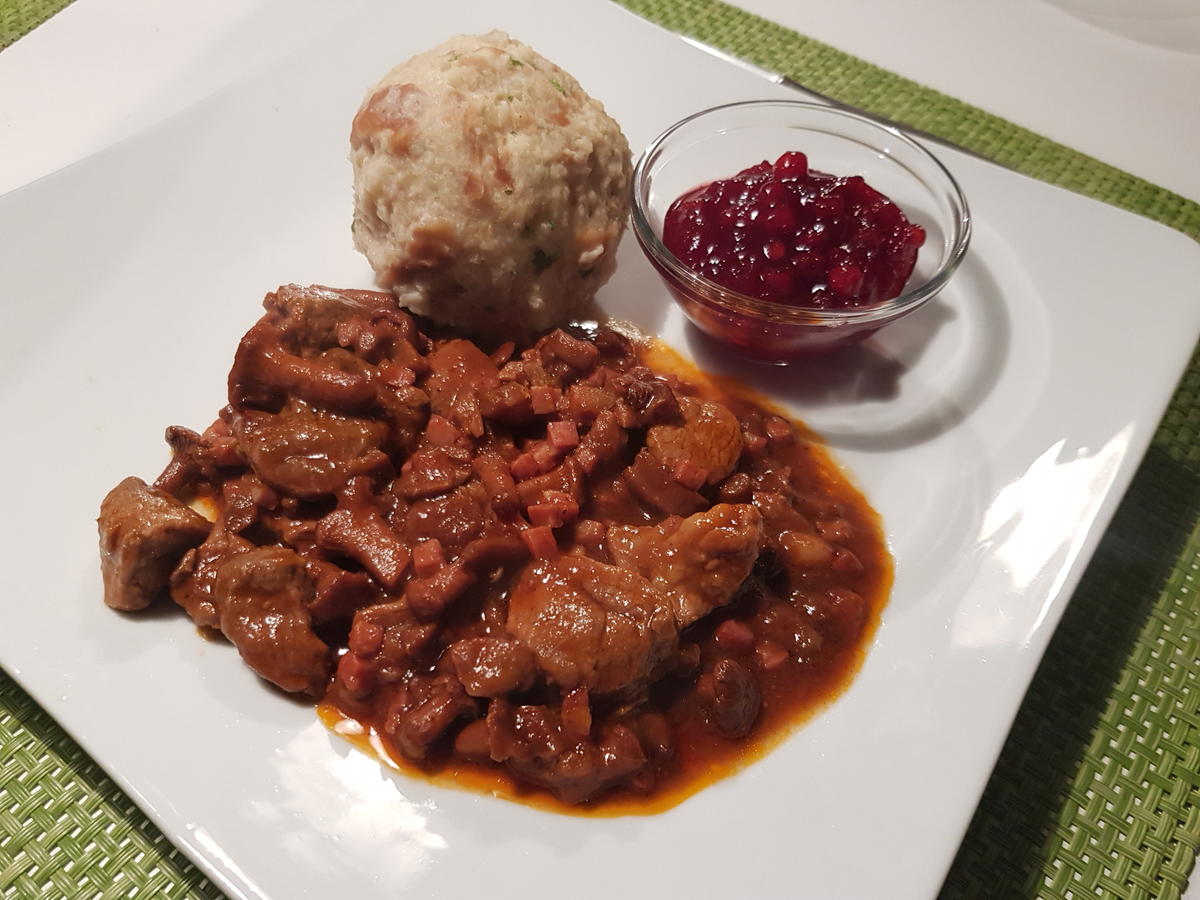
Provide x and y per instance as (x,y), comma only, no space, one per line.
(579,570)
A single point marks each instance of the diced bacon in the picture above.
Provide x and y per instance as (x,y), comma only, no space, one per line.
(690,475)
(427,557)
(546,456)
(590,532)
(626,417)
(534,371)
(779,430)
(545,398)
(577,714)
(356,675)
(553,513)
(366,637)
(440,432)
(397,375)
(524,467)
(587,460)
(513,370)
(347,333)
(734,636)
(546,514)
(540,541)
(562,435)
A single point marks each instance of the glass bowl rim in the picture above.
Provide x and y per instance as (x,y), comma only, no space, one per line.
(711,293)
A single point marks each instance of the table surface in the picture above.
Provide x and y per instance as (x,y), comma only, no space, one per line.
(1115,79)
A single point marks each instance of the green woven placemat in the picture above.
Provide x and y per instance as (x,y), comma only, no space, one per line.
(1095,793)
(19,17)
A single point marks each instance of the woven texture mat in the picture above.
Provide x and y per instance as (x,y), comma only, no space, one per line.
(19,17)
(1095,793)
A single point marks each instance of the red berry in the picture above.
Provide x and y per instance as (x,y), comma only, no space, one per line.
(792,165)
(790,234)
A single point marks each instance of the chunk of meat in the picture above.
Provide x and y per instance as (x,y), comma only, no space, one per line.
(421,709)
(648,399)
(244,500)
(564,479)
(486,554)
(582,403)
(295,349)
(589,769)
(406,411)
(309,316)
(491,666)
(523,734)
(579,355)
(357,530)
(429,597)
(655,485)
(592,625)
(497,480)
(194,578)
(309,453)
(455,519)
(263,597)
(616,351)
(143,534)
(780,514)
(433,470)
(338,592)
(194,457)
(264,374)
(532,742)
(385,642)
(458,373)
(701,560)
(602,444)
(839,612)
(789,534)
(509,404)
(710,438)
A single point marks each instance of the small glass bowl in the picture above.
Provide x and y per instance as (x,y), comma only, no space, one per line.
(719,142)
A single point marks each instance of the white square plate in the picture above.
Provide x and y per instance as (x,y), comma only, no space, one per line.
(994,431)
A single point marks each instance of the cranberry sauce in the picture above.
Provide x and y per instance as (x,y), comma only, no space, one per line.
(790,234)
